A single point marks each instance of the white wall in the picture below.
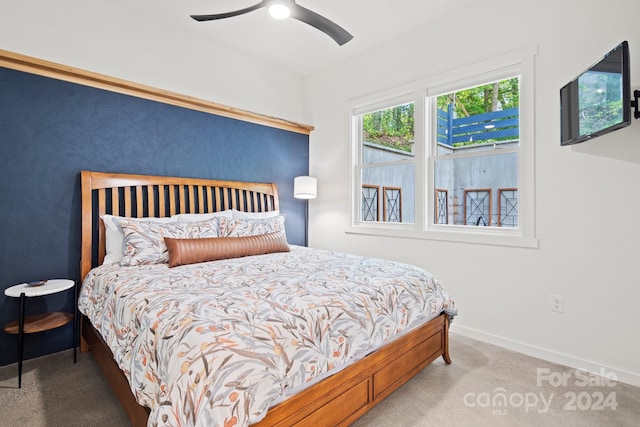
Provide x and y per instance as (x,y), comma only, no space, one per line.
(587,196)
(107,38)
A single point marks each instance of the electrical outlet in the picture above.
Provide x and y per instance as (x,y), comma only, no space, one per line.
(556,303)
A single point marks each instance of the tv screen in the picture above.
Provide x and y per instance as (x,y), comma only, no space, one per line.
(598,101)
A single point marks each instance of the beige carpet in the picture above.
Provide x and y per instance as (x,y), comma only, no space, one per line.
(485,386)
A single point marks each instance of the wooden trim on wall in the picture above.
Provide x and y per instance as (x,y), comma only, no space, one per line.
(54,70)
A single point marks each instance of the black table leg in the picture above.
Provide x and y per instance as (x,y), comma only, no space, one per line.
(20,339)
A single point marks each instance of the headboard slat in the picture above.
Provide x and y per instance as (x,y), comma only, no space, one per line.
(208,194)
(225,199)
(128,196)
(254,199)
(102,209)
(216,193)
(193,193)
(102,201)
(139,200)
(115,201)
(162,206)
(171,200)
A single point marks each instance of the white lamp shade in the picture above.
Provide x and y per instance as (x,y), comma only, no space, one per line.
(305,187)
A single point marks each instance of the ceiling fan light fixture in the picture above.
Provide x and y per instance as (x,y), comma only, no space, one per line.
(282,9)
(279,10)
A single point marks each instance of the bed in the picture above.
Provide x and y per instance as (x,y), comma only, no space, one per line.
(210,368)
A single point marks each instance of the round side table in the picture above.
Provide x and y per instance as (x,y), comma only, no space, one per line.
(43,321)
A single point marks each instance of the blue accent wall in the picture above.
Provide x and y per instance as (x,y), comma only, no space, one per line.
(51,129)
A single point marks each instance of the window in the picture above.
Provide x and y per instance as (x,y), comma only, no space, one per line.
(385,135)
(477,146)
(451,159)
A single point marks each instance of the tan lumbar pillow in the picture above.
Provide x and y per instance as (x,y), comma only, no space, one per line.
(192,251)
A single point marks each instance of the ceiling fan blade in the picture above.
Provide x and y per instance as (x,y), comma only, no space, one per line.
(330,28)
(229,14)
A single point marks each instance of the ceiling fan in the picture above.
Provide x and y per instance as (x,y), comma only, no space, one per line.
(284,8)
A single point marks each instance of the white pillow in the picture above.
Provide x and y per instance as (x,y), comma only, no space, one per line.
(114,236)
(202,217)
(254,215)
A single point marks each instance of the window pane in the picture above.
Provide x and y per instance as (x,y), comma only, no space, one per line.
(388,134)
(478,186)
(481,115)
(480,190)
(388,193)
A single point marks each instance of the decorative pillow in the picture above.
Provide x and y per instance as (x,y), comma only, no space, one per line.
(192,251)
(114,236)
(144,241)
(254,215)
(250,227)
(202,217)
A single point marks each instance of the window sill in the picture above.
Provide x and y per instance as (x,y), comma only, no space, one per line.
(457,234)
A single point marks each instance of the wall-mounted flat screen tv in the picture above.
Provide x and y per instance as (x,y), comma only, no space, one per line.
(598,101)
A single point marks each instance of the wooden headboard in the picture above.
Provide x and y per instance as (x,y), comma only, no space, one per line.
(159,196)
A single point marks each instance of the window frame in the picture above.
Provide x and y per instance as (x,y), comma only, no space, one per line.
(520,63)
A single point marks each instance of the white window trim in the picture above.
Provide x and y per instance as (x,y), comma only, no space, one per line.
(424,227)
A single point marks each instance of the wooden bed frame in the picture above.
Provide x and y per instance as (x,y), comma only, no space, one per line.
(337,400)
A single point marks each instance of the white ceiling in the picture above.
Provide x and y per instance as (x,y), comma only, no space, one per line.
(289,43)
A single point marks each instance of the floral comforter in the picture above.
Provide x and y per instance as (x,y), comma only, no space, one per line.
(218,343)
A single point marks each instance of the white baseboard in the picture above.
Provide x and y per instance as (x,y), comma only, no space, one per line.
(626,377)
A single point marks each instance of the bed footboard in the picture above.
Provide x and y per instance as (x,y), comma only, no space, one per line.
(344,397)
(338,400)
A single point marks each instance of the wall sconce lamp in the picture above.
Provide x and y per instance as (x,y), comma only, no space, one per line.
(305,187)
